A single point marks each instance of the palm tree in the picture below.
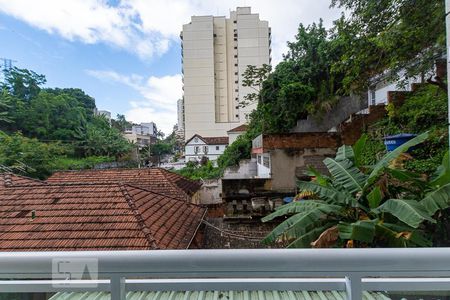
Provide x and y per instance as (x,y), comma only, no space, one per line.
(379,207)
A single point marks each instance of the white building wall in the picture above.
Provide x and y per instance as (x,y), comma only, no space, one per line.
(263,164)
(378,93)
(211,151)
(216,52)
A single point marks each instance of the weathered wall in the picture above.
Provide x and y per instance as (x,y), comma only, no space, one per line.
(246,169)
(210,191)
(351,131)
(301,140)
(345,107)
(286,164)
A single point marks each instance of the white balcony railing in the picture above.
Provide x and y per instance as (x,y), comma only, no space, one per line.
(350,270)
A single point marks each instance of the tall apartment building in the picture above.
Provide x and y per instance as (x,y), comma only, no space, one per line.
(216,53)
(180,114)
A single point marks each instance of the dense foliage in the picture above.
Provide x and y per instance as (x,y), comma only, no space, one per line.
(391,37)
(198,171)
(365,207)
(423,110)
(42,127)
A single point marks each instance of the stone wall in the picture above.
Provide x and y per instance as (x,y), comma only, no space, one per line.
(340,112)
(210,192)
(246,169)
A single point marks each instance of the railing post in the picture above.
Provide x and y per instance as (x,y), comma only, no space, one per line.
(118,288)
(353,287)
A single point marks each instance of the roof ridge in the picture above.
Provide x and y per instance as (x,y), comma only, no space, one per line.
(130,200)
(9,180)
(164,195)
(164,173)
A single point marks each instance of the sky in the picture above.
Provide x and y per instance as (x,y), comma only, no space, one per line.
(126,53)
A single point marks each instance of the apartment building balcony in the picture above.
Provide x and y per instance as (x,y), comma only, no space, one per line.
(228,274)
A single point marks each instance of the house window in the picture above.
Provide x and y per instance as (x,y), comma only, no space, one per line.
(196,140)
(217,148)
(205,149)
(196,149)
(372,96)
(259,159)
(266,162)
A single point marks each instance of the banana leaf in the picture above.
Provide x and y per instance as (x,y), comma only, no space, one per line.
(346,174)
(386,159)
(374,197)
(442,175)
(296,207)
(363,230)
(437,199)
(327,193)
(345,152)
(306,239)
(410,212)
(298,224)
(358,149)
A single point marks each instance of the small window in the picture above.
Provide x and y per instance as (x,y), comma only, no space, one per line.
(372,96)
(266,162)
(217,147)
(259,159)
(196,140)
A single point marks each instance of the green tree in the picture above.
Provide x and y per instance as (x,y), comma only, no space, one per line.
(121,123)
(22,83)
(383,207)
(393,36)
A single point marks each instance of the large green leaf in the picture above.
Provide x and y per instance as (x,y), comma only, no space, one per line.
(442,175)
(374,197)
(301,223)
(407,176)
(345,152)
(410,212)
(346,174)
(437,199)
(294,208)
(416,237)
(320,178)
(358,149)
(386,159)
(306,239)
(363,230)
(327,193)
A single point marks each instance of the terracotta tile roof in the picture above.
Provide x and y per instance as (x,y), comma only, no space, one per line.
(94,217)
(11,179)
(240,128)
(157,180)
(218,140)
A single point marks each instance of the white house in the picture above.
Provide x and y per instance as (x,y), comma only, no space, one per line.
(235,132)
(211,147)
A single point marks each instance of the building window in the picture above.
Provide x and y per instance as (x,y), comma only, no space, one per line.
(259,159)
(372,96)
(217,148)
(266,162)
(205,149)
(196,140)
(196,149)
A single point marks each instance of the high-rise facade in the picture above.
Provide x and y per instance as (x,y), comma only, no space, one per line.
(216,53)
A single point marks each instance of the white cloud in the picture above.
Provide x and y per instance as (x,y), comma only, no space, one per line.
(149,28)
(159,97)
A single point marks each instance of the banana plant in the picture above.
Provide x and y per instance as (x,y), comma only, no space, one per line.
(378,207)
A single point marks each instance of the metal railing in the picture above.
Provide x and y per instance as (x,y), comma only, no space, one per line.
(350,270)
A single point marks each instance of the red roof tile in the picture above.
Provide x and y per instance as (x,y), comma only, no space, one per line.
(94,217)
(240,128)
(11,179)
(154,179)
